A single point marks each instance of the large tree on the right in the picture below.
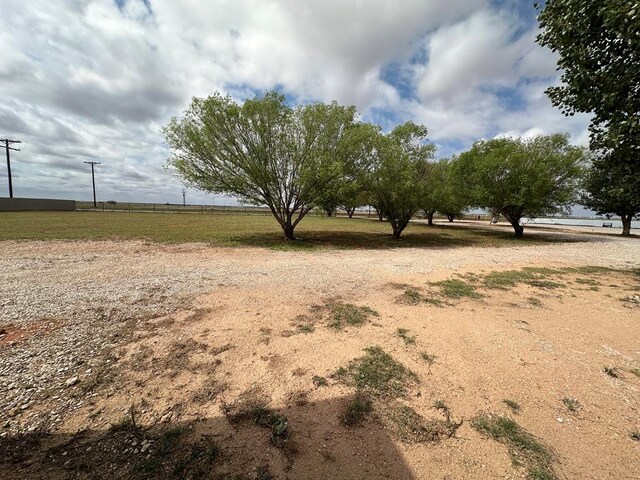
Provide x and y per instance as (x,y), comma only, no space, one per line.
(612,185)
(598,43)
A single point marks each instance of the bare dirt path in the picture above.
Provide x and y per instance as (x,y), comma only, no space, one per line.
(180,333)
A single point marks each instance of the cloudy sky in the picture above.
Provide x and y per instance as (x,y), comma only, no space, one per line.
(96,79)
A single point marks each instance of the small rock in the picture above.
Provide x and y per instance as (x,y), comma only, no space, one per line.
(72,381)
(166,417)
(145,447)
(560,420)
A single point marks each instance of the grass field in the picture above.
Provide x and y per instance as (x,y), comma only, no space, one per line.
(243,230)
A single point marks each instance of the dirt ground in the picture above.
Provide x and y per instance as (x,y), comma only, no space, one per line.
(169,344)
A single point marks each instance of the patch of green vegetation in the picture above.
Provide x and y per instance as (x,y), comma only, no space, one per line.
(587,281)
(636,371)
(534,276)
(434,301)
(238,230)
(356,409)
(378,374)
(611,371)
(342,314)
(524,448)
(411,427)
(319,381)
(411,296)
(535,302)
(635,436)
(571,403)
(546,284)
(507,279)
(513,405)
(408,339)
(455,288)
(306,328)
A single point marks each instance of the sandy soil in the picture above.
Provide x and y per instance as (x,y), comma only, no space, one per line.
(235,330)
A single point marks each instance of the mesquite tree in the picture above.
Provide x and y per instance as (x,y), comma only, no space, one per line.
(521,177)
(264,152)
(398,178)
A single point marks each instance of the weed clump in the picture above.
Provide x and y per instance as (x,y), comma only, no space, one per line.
(524,448)
(408,339)
(356,409)
(411,427)
(319,381)
(429,358)
(378,374)
(611,371)
(455,288)
(411,296)
(571,403)
(343,314)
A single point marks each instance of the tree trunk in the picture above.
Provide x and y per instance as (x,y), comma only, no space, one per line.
(380,216)
(626,225)
(430,218)
(350,211)
(519,229)
(329,212)
(450,218)
(287,228)
(514,220)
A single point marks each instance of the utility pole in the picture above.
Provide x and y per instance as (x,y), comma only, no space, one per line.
(8,142)
(184,197)
(93,181)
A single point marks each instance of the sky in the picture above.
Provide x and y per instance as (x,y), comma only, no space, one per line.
(95,80)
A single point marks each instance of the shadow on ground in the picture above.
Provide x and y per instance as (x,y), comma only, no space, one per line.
(316,446)
(416,236)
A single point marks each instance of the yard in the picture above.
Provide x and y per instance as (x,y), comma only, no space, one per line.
(133,352)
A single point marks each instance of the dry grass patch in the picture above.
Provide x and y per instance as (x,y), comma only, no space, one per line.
(378,374)
(525,450)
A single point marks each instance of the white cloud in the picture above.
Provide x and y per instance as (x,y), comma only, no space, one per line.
(87,79)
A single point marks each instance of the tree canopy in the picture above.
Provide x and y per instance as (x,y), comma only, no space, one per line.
(265,152)
(598,44)
(397,180)
(612,185)
(521,177)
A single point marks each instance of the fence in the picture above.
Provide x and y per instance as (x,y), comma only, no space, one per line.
(35,204)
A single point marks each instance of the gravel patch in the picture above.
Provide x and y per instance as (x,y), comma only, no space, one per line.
(65,307)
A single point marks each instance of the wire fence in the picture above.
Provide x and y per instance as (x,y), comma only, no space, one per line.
(367,212)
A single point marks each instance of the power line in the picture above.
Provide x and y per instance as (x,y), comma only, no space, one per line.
(8,142)
(93,181)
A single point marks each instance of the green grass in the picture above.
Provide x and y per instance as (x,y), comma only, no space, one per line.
(378,374)
(343,314)
(356,409)
(411,296)
(536,277)
(404,334)
(319,381)
(455,288)
(244,230)
(524,448)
